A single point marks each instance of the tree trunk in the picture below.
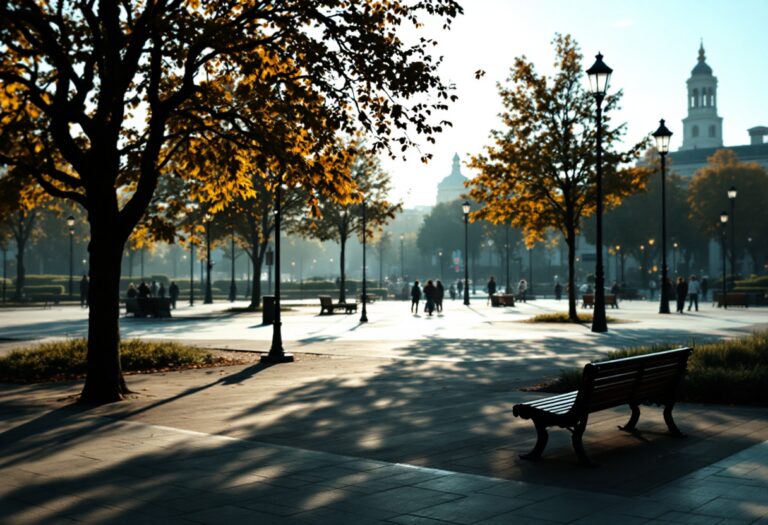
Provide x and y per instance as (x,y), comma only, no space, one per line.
(104,381)
(257,256)
(21,272)
(342,275)
(570,240)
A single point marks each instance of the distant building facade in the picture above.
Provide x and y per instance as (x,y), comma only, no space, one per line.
(703,127)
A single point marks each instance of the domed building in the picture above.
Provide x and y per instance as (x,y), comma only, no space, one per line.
(452,187)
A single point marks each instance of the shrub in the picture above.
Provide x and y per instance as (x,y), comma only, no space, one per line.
(44,289)
(62,360)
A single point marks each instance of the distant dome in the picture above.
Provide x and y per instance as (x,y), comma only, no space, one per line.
(452,186)
(702,68)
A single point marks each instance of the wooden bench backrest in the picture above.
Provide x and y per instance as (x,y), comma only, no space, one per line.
(644,378)
(325,300)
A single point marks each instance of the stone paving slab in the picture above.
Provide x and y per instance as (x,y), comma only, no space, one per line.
(81,481)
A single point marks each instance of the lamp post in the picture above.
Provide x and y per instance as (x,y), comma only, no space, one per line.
(621,260)
(723,222)
(599,75)
(5,268)
(402,263)
(71,226)
(208,266)
(232,285)
(507,288)
(465,210)
(440,258)
(276,353)
(732,199)
(662,136)
(191,274)
(675,246)
(270,261)
(364,315)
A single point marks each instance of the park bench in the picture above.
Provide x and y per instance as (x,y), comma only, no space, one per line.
(327,305)
(369,298)
(144,306)
(644,379)
(503,299)
(732,299)
(588,300)
(45,298)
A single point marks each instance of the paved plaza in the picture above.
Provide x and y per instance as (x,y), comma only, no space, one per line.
(403,420)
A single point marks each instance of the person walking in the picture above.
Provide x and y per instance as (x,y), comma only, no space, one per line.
(452,291)
(460,286)
(173,292)
(682,290)
(522,289)
(439,295)
(84,288)
(430,292)
(153,289)
(144,290)
(415,297)
(693,292)
(558,290)
(704,288)
(490,288)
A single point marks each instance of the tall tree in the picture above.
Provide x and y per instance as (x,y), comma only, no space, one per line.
(708,196)
(339,221)
(91,88)
(539,172)
(443,229)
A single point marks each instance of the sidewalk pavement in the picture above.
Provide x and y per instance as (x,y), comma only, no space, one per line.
(376,430)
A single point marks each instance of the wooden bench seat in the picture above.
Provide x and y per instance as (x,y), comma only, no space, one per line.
(644,379)
(328,306)
(588,300)
(144,306)
(503,299)
(732,299)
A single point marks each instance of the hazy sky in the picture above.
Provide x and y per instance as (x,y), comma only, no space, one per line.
(652,45)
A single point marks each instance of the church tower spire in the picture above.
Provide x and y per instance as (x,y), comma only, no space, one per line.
(702,128)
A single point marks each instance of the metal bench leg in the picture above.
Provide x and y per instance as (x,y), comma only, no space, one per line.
(671,422)
(578,446)
(630,426)
(541,442)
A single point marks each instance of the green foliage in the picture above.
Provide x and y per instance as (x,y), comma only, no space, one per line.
(63,360)
(563,317)
(730,371)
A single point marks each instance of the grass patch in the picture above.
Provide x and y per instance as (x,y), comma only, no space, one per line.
(64,360)
(562,317)
(734,371)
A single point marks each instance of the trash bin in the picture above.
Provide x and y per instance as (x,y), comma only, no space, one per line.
(267,309)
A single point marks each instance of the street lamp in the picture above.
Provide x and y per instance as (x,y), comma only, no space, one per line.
(276,353)
(723,222)
(71,225)
(465,210)
(599,75)
(364,315)
(732,199)
(191,274)
(208,266)
(270,262)
(662,136)
(402,264)
(440,256)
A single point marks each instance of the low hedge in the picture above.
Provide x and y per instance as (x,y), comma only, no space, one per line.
(733,371)
(45,289)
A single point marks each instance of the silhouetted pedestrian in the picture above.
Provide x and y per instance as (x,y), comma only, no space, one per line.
(144,290)
(415,297)
(452,291)
(439,295)
(522,290)
(460,286)
(173,292)
(131,292)
(704,288)
(84,289)
(558,290)
(430,292)
(490,288)
(693,292)
(153,289)
(682,290)
(161,290)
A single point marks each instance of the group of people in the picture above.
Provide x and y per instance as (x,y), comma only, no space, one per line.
(433,293)
(144,291)
(691,289)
